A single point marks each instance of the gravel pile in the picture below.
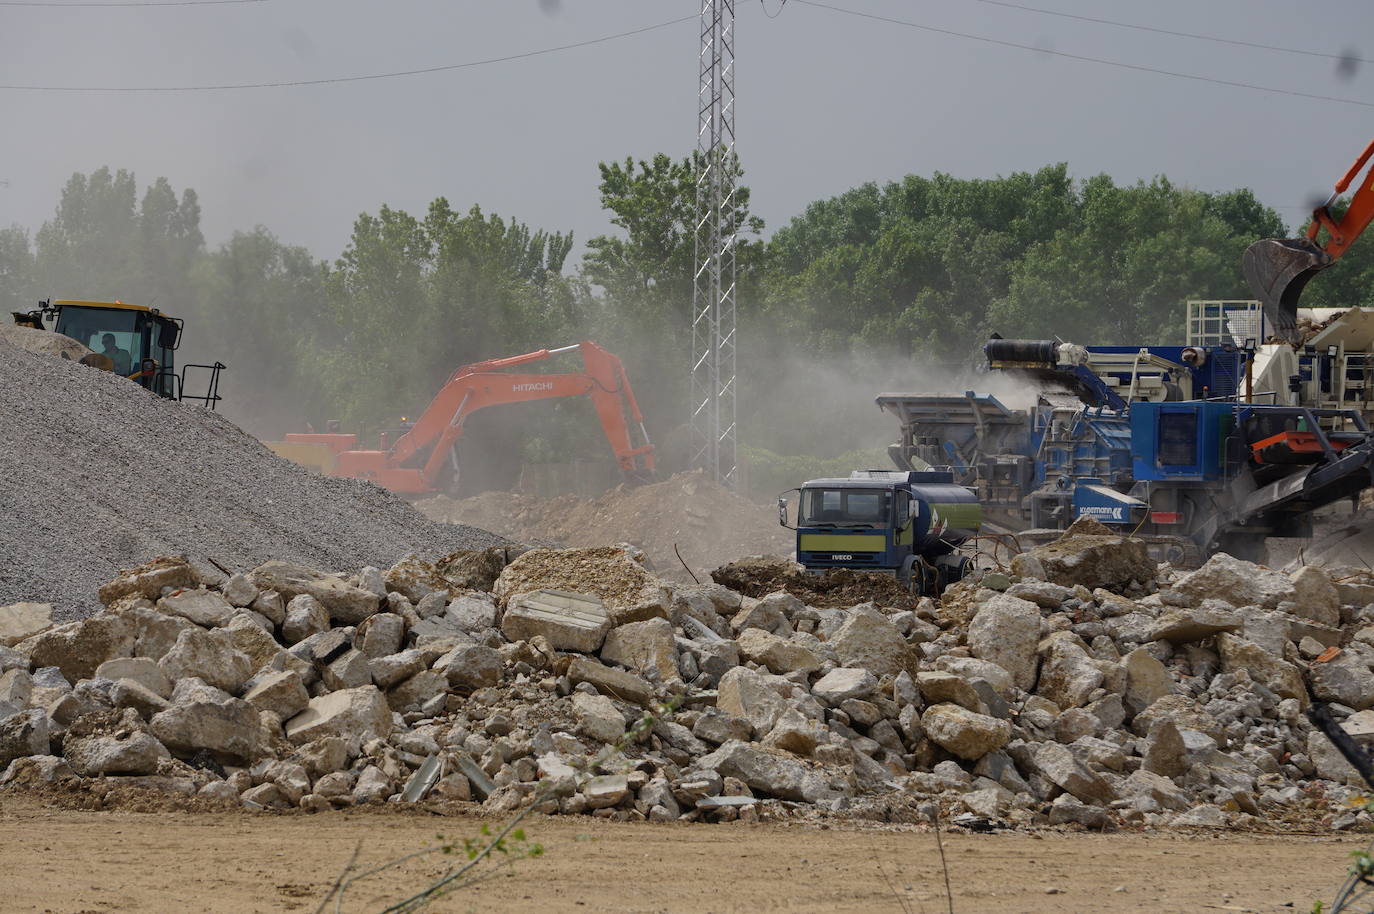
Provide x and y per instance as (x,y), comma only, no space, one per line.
(97,475)
(43,341)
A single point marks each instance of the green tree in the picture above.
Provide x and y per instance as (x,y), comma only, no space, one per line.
(16,272)
(1122,271)
(89,249)
(170,241)
(102,244)
(638,285)
(260,307)
(415,299)
(912,265)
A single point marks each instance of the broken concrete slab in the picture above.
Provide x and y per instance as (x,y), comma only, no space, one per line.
(1238,582)
(1005,630)
(568,621)
(356,715)
(207,608)
(149,580)
(21,621)
(78,648)
(140,669)
(345,603)
(210,656)
(965,733)
(616,683)
(646,647)
(471,667)
(779,655)
(113,742)
(281,692)
(227,729)
(1184,624)
(844,682)
(873,644)
(774,775)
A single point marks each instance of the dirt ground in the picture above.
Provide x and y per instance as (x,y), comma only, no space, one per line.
(67,861)
(686,515)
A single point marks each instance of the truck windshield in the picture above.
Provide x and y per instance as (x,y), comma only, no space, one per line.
(845,507)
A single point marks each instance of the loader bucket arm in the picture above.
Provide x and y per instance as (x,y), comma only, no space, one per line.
(480,385)
(1277,269)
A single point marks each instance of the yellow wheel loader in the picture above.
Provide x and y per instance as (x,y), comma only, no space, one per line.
(133,341)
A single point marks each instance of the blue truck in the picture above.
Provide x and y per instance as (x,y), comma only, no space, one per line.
(909,524)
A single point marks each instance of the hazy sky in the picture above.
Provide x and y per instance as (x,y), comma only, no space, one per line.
(826,101)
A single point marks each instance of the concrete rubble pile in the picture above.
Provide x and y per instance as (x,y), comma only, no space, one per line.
(1087,686)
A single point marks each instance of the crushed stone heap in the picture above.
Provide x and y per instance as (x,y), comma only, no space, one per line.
(97,475)
(1041,697)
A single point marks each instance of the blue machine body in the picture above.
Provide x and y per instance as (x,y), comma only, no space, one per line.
(1221,374)
(1181,442)
(1214,471)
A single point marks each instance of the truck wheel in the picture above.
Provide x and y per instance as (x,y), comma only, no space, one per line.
(922,578)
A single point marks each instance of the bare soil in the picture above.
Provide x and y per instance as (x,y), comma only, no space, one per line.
(686,515)
(72,861)
(758,576)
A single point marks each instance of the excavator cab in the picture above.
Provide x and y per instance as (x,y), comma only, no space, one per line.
(1278,269)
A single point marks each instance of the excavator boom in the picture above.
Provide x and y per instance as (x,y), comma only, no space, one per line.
(1277,269)
(416,461)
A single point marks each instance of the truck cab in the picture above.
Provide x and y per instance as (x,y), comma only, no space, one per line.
(908,524)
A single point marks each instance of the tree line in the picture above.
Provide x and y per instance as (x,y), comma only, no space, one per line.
(853,291)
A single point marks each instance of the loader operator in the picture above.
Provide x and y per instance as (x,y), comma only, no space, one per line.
(123,361)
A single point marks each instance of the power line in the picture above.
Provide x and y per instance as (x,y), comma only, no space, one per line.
(353,79)
(1146,28)
(118,3)
(1097,60)
(764,4)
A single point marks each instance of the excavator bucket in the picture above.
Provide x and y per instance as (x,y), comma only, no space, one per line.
(1277,269)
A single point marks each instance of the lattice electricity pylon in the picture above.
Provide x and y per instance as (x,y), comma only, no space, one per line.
(713,287)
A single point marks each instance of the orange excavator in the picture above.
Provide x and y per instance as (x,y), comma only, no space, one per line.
(1277,269)
(416,460)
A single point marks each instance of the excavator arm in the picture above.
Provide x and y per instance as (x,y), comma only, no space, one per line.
(1277,269)
(413,464)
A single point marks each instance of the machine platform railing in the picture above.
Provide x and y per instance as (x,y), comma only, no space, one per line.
(176,384)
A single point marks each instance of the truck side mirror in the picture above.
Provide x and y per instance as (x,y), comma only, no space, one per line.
(782,511)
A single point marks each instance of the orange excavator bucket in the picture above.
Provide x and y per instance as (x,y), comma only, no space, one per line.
(1277,269)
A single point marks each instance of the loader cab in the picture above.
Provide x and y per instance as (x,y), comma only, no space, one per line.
(142,340)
